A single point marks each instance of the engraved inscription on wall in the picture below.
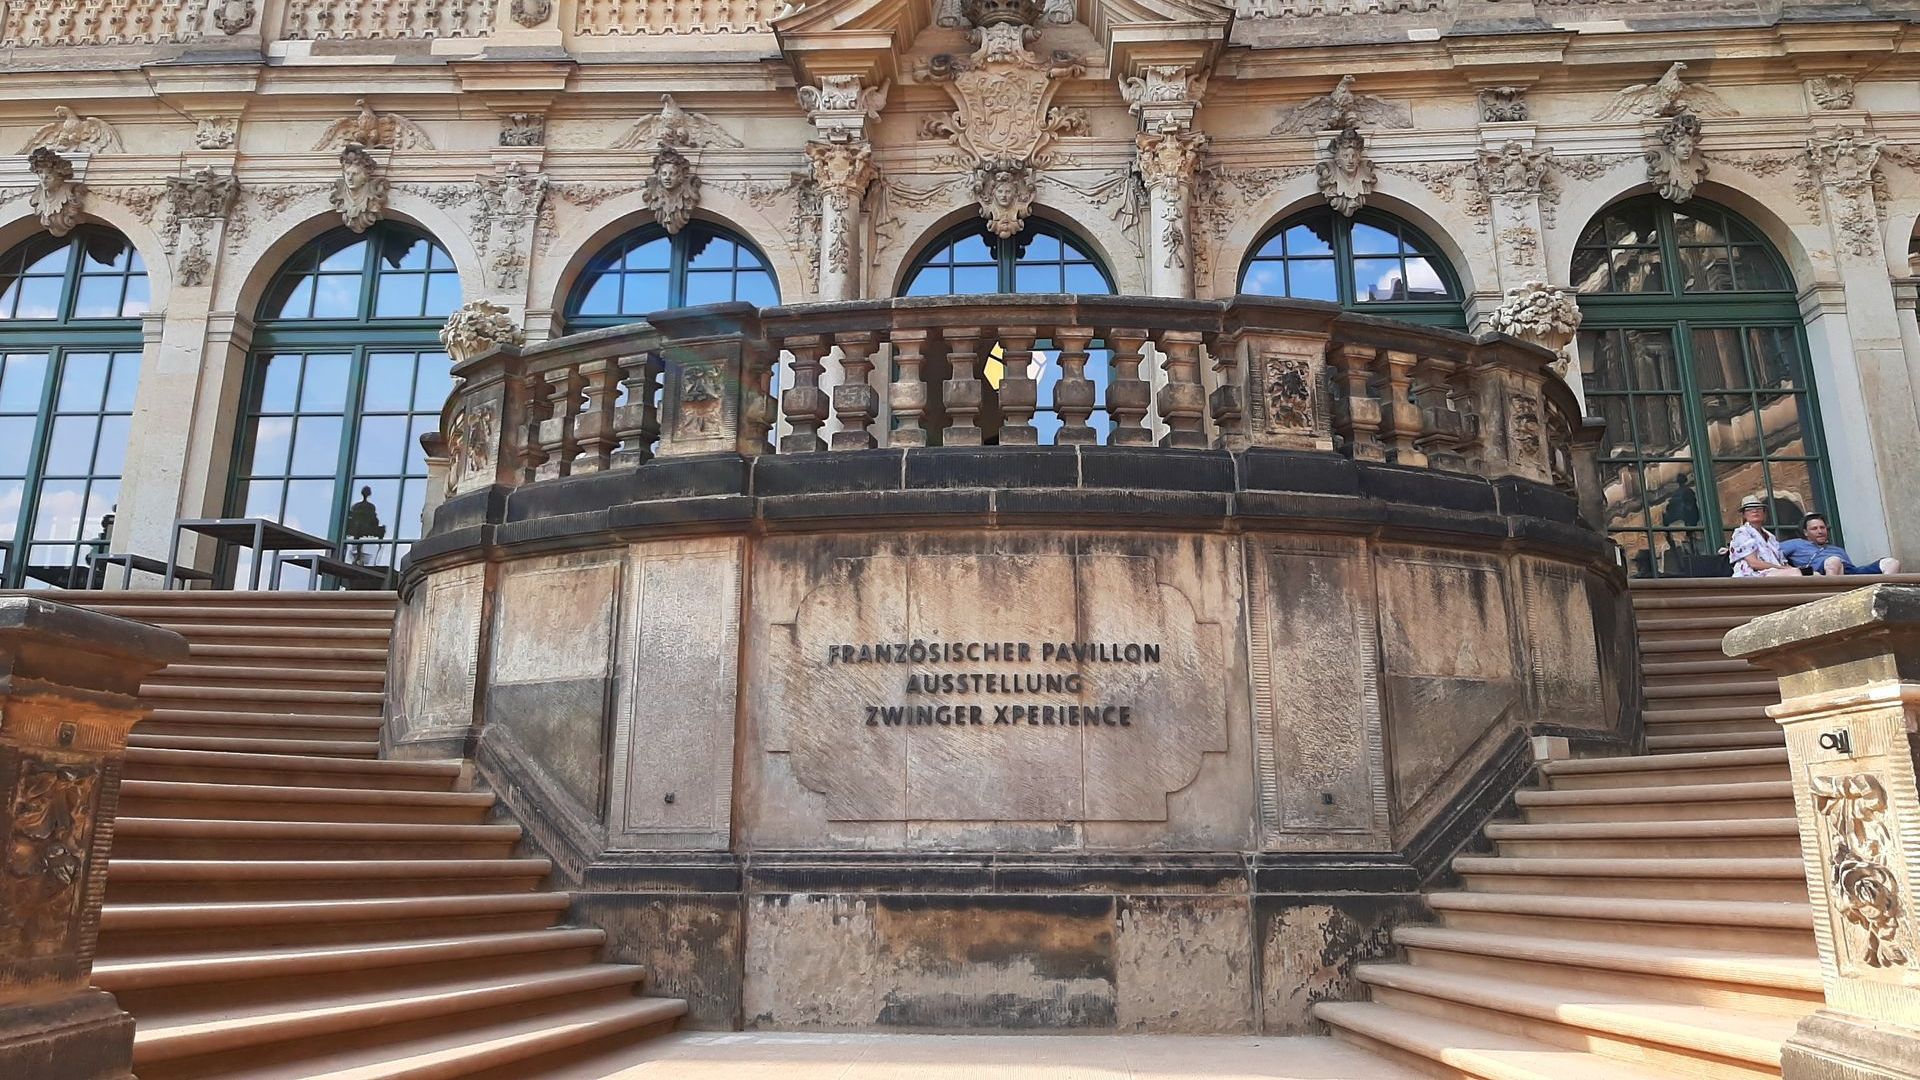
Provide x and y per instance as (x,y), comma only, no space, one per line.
(1022,687)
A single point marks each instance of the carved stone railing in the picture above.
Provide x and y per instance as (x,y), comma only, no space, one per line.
(373,20)
(1183,374)
(45,23)
(615,18)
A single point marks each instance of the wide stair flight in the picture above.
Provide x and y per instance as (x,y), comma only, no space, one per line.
(283,903)
(1646,917)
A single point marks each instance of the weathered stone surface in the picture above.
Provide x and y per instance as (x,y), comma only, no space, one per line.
(1183,964)
(690,943)
(1562,646)
(445,653)
(672,771)
(1448,649)
(1308,946)
(1317,699)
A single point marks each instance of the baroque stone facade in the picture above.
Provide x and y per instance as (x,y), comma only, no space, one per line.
(1169,138)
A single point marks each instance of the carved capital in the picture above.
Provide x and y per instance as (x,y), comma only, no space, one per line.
(1513,170)
(842,169)
(1167,160)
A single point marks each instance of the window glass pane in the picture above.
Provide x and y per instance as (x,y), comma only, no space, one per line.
(22,381)
(756,287)
(1044,279)
(1660,423)
(1638,271)
(709,286)
(98,298)
(316,446)
(1775,352)
(281,384)
(1086,278)
(1373,240)
(931,281)
(324,387)
(972,249)
(70,445)
(1717,362)
(1038,247)
(1601,363)
(1732,428)
(16,442)
(1755,268)
(374,509)
(351,254)
(389,383)
(261,498)
(39,298)
(1706,269)
(272,438)
(10,496)
(1650,358)
(651,255)
(60,510)
(309,506)
(135,303)
(1378,279)
(83,382)
(1312,279)
(1615,410)
(1784,423)
(336,296)
(1631,224)
(1691,229)
(1265,277)
(290,298)
(382,448)
(111,456)
(400,296)
(1626,505)
(1313,238)
(1794,496)
(126,379)
(44,254)
(1423,281)
(443,295)
(432,382)
(399,251)
(968,280)
(705,251)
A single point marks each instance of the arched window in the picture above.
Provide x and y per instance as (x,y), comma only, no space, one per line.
(1693,351)
(1041,258)
(647,270)
(1370,262)
(70,342)
(347,374)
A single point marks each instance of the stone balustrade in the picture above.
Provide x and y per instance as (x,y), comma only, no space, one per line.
(347,20)
(913,372)
(618,18)
(54,23)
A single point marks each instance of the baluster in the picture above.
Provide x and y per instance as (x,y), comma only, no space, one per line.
(1128,395)
(637,420)
(1183,400)
(1073,395)
(1441,440)
(1228,402)
(804,403)
(594,430)
(1358,414)
(855,404)
(907,394)
(1400,419)
(961,393)
(1019,394)
(558,447)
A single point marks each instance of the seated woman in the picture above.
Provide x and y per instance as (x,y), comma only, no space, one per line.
(1753,551)
(1815,556)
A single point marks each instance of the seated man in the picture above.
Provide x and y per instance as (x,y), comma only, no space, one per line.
(1753,551)
(1813,554)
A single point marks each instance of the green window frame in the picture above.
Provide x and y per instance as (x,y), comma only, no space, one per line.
(1323,255)
(1041,258)
(70,352)
(1693,349)
(648,270)
(346,373)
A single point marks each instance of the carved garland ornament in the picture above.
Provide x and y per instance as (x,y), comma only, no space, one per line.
(1861,885)
(1848,166)
(195,204)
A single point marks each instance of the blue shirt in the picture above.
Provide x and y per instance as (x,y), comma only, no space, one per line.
(1808,555)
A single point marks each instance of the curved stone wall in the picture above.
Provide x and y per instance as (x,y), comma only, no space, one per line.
(1095,737)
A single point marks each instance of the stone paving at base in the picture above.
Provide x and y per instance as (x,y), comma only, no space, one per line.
(788,1056)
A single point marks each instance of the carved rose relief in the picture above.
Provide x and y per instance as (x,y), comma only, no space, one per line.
(51,827)
(1861,885)
(1346,174)
(57,198)
(233,16)
(531,13)
(216,132)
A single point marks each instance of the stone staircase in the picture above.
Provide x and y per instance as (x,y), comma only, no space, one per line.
(283,903)
(1645,917)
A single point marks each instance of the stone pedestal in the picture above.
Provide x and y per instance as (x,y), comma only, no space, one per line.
(1850,686)
(68,680)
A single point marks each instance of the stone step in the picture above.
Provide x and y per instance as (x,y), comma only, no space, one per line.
(1449,1048)
(368,636)
(148,973)
(203,674)
(1722,686)
(214,767)
(1677,878)
(361,1015)
(509,1046)
(1726,740)
(1763,837)
(1667,770)
(261,724)
(363,749)
(1759,982)
(1717,664)
(216,838)
(342,656)
(1783,928)
(141,929)
(137,881)
(1689,802)
(351,702)
(289,613)
(282,802)
(1688,1040)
